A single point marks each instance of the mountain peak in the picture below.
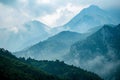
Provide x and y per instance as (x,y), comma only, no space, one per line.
(108,31)
(65,35)
(35,22)
(68,32)
(87,18)
(93,7)
(111,28)
(107,27)
(118,27)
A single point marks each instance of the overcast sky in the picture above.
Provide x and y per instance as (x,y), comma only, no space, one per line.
(13,13)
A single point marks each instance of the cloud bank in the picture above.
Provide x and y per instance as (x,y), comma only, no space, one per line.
(51,12)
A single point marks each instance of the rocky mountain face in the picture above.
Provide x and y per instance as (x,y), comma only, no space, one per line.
(100,52)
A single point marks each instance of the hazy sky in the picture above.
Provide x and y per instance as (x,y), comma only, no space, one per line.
(13,13)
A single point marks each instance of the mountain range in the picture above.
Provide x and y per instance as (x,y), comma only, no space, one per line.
(32,32)
(100,52)
(55,46)
(95,49)
(91,17)
(90,40)
(19,38)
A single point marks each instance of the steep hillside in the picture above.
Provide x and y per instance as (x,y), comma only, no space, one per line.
(59,68)
(55,46)
(100,52)
(11,68)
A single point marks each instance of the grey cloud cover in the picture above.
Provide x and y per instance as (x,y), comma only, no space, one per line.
(44,8)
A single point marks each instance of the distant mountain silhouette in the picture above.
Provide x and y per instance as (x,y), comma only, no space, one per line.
(91,17)
(53,48)
(18,38)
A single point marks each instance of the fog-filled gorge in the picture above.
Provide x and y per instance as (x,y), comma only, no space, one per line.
(43,41)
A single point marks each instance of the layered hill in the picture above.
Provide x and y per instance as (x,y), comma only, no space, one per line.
(12,68)
(100,52)
(53,48)
(59,68)
(20,37)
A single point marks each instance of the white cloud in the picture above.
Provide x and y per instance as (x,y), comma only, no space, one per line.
(43,1)
(14,29)
(23,1)
(51,12)
(50,19)
(61,15)
(10,17)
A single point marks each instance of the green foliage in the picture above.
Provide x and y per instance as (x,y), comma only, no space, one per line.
(12,68)
(59,68)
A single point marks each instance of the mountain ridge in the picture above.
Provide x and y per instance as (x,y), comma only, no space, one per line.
(29,33)
(90,17)
(97,51)
(57,45)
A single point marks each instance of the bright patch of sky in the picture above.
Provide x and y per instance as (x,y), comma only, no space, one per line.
(50,12)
